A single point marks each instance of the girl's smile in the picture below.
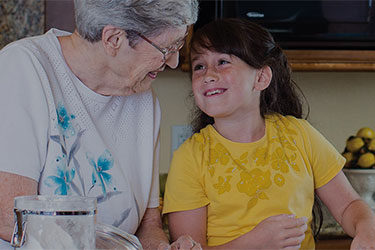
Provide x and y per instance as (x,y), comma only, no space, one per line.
(214,92)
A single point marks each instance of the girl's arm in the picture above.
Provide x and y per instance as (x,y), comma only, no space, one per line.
(354,215)
(275,232)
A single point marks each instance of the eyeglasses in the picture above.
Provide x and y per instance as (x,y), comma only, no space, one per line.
(174,48)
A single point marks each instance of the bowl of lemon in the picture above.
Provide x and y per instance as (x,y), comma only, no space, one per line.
(360,163)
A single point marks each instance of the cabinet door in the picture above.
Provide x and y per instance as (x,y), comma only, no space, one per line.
(341,244)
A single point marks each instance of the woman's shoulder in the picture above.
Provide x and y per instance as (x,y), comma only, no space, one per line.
(35,49)
(17,50)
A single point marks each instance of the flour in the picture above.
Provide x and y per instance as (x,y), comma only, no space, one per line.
(59,232)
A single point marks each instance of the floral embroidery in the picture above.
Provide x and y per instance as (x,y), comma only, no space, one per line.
(100,168)
(65,121)
(243,161)
(258,170)
(240,164)
(279,180)
(253,183)
(200,139)
(293,163)
(279,161)
(63,179)
(223,184)
(68,170)
(260,156)
(211,170)
(219,154)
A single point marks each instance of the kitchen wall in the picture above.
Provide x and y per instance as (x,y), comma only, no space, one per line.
(340,103)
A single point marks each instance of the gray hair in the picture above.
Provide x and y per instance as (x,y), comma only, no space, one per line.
(149,17)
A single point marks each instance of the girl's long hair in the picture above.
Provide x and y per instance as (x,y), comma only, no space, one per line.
(254,45)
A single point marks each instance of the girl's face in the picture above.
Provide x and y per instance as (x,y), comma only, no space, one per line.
(224,86)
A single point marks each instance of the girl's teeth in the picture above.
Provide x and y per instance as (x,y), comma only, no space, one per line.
(217,91)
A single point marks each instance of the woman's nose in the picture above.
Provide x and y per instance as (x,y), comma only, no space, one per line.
(172,60)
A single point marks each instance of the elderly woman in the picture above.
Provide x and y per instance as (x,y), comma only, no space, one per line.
(78,115)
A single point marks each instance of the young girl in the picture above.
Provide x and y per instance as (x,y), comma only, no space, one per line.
(247,177)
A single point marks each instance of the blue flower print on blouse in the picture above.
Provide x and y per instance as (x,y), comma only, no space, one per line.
(65,121)
(63,179)
(100,168)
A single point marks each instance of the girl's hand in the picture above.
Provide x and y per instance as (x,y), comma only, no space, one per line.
(279,232)
(184,242)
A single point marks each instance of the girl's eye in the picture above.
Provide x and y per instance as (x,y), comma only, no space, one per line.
(222,61)
(197,67)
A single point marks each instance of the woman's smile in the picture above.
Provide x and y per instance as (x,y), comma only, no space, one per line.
(153,74)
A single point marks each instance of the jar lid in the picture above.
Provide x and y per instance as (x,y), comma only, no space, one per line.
(47,203)
(109,237)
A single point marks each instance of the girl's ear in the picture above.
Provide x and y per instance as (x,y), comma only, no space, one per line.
(264,77)
(112,39)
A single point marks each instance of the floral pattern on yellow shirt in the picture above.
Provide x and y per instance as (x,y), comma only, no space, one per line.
(255,178)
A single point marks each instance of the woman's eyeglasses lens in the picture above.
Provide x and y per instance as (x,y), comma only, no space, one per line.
(174,48)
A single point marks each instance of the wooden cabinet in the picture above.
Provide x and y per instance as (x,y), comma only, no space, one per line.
(341,244)
(312,60)
(319,60)
(331,60)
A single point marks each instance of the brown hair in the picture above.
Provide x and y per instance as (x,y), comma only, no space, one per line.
(254,45)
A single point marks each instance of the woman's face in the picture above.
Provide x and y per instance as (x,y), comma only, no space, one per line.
(224,85)
(145,61)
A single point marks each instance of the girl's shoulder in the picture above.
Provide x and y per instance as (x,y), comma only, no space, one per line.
(289,123)
(195,143)
(198,138)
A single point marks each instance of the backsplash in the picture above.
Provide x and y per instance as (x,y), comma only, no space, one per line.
(20,18)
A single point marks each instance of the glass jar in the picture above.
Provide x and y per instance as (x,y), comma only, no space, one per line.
(54,222)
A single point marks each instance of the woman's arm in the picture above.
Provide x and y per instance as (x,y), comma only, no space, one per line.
(12,185)
(152,236)
(354,215)
(150,231)
(274,232)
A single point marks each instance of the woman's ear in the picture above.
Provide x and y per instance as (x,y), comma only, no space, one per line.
(264,78)
(112,39)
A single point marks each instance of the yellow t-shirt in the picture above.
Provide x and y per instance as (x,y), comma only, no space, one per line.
(245,183)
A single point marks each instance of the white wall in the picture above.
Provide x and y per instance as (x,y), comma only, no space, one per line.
(172,88)
(340,103)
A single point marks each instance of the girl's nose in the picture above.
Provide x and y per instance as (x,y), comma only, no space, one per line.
(211,76)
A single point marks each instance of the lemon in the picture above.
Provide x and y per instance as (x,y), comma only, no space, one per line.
(353,144)
(366,160)
(349,158)
(366,132)
(371,145)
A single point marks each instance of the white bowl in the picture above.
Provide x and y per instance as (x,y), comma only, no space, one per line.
(109,237)
(363,181)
